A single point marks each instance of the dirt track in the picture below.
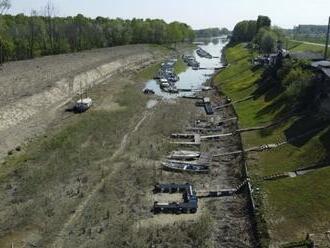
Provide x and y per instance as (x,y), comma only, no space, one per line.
(33,92)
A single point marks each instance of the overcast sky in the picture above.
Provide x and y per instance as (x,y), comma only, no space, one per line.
(196,13)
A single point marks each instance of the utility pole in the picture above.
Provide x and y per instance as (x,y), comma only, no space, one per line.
(327,42)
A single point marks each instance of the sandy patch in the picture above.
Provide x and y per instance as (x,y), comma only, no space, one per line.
(151,104)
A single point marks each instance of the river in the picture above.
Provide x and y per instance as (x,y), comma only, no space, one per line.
(194,79)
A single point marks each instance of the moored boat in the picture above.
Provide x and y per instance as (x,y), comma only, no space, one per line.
(185,167)
(202,53)
(184,155)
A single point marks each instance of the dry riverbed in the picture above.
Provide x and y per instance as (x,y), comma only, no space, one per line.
(89,181)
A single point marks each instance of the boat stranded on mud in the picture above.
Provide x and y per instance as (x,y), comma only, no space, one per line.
(204,54)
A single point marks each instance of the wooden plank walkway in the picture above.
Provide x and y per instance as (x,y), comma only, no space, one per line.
(223,192)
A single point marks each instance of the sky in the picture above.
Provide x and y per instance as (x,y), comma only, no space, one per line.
(196,13)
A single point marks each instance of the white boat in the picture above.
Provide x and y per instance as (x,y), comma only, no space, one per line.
(184,155)
(83,105)
(185,167)
(164,85)
(206,88)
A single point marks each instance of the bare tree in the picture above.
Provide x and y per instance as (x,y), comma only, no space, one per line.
(50,14)
(4,6)
(32,32)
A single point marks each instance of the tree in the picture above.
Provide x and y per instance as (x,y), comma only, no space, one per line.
(50,15)
(23,37)
(268,42)
(32,22)
(4,6)
(244,31)
(263,21)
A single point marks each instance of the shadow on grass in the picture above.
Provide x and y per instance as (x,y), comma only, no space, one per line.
(325,140)
(304,129)
(233,77)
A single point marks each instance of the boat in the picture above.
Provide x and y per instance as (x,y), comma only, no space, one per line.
(148,92)
(185,167)
(206,88)
(171,89)
(173,78)
(184,155)
(202,53)
(164,85)
(82,105)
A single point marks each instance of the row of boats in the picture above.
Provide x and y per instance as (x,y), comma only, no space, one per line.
(167,77)
(191,61)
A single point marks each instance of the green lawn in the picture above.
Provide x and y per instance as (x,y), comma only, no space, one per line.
(298,46)
(180,66)
(293,206)
(298,206)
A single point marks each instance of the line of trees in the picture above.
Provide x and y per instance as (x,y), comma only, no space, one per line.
(39,34)
(211,32)
(260,33)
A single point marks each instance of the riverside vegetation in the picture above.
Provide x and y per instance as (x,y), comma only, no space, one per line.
(294,206)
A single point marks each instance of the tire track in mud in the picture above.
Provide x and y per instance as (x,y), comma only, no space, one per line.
(60,238)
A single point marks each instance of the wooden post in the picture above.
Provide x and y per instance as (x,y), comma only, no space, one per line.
(327,42)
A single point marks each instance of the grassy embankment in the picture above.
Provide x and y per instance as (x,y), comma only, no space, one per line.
(292,207)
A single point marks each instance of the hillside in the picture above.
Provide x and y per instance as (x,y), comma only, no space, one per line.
(297,205)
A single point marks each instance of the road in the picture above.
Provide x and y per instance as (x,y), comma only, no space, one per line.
(310,43)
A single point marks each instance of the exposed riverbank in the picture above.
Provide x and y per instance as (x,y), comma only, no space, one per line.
(89,181)
(34,93)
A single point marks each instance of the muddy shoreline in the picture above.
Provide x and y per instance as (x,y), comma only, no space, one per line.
(250,204)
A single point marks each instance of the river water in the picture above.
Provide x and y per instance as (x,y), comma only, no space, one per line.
(194,79)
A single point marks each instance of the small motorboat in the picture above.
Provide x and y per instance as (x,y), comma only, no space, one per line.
(185,167)
(83,105)
(184,155)
(148,92)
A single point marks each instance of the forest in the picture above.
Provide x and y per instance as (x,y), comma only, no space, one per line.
(40,34)
(260,32)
